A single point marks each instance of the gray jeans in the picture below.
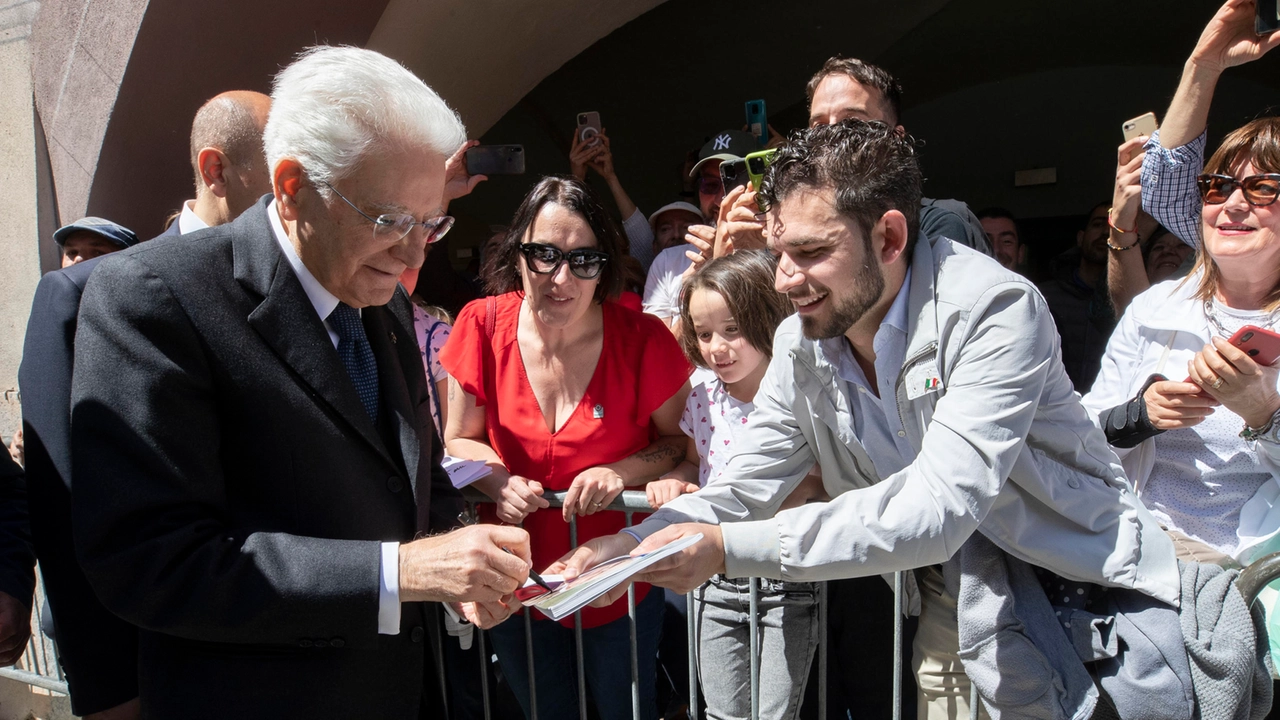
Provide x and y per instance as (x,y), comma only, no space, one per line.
(788,615)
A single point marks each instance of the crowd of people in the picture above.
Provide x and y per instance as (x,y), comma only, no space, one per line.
(231,461)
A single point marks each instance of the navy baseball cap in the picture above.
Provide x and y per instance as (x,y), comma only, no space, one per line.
(118,234)
(725,145)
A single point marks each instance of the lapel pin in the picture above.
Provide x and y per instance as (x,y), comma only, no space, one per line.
(598,412)
(393,338)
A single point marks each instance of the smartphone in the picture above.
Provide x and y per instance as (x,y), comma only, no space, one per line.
(757,162)
(1267,17)
(733,173)
(757,121)
(495,160)
(1139,126)
(1261,345)
(588,128)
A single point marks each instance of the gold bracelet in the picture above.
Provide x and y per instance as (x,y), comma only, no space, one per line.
(1117,248)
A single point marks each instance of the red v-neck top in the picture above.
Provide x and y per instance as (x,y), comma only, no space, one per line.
(640,367)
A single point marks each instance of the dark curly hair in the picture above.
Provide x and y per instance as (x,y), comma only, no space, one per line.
(501,269)
(871,166)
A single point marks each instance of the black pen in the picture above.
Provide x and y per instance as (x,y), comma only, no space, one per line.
(537,579)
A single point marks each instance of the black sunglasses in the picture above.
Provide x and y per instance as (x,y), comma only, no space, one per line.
(546,260)
(1259,190)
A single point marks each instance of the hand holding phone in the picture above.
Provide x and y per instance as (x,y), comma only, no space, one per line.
(495,160)
(1144,124)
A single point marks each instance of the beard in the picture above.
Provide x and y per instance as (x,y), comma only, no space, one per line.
(863,293)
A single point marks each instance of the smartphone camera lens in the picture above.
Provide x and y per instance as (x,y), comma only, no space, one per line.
(582,119)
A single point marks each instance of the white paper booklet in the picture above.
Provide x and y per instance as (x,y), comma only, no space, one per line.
(567,598)
(464,472)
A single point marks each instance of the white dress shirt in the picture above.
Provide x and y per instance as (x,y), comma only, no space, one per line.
(189,221)
(324,303)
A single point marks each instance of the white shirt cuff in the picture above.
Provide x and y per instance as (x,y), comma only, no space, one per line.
(389,590)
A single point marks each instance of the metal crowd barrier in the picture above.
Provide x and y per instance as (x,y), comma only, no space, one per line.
(39,665)
(629,503)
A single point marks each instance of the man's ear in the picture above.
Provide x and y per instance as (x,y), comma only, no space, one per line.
(1080,239)
(1022,254)
(892,230)
(286,183)
(213,166)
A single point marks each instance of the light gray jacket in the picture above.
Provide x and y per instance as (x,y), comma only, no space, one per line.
(1004,447)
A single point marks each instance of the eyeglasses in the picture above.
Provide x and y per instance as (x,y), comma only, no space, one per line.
(710,186)
(547,259)
(1259,190)
(392,227)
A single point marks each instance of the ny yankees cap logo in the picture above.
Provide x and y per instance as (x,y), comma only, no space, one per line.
(722,142)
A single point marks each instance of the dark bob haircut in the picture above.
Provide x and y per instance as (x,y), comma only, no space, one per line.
(745,281)
(501,271)
(871,167)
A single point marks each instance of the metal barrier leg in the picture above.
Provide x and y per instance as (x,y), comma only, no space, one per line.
(577,634)
(635,659)
(897,645)
(822,650)
(973,701)
(691,604)
(528,656)
(484,673)
(753,630)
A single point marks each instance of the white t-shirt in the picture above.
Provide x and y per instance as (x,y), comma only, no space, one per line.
(715,420)
(662,286)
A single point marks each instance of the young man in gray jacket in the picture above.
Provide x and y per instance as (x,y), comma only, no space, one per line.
(927,382)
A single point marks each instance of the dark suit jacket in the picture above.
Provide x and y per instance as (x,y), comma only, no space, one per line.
(97,650)
(17,559)
(232,493)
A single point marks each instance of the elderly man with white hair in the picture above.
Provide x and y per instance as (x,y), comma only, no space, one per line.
(257,486)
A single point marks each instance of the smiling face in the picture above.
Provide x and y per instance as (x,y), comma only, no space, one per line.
(1241,238)
(1002,233)
(825,264)
(670,228)
(1165,256)
(724,347)
(560,299)
(337,244)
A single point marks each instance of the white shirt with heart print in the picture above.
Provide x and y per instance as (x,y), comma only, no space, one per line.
(715,421)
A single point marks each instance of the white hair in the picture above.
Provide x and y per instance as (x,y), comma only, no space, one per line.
(333,105)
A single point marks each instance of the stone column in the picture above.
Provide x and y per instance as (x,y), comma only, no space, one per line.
(19,200)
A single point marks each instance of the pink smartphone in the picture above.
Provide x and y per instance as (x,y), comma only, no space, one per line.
(1261,345)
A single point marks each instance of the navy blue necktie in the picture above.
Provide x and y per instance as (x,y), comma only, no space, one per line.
(357,355)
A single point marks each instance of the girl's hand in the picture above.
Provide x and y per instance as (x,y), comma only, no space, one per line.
(663,490)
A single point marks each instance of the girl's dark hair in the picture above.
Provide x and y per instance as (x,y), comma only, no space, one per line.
(745,281)
(501,269)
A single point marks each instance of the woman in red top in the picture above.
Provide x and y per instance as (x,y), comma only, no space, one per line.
(558,387)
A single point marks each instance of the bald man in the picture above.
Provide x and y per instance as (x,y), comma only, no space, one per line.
(226,157)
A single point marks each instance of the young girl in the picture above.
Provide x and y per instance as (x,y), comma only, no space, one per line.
(728,316)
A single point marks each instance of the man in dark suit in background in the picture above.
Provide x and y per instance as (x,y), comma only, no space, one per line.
(251,438)
(97,650)
(226,159)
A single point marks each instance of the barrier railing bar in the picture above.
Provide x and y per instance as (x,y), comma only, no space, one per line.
(973,701)
(34,679)
(897,645)
(635,658)
(822,650)
(484,672)
(753,637)
(690,606)
(577,635)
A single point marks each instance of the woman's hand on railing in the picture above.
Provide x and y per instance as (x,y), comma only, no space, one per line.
(516,497)
(592,491)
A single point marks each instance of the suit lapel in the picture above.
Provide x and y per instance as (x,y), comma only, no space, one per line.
(387,337)
(287,322)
